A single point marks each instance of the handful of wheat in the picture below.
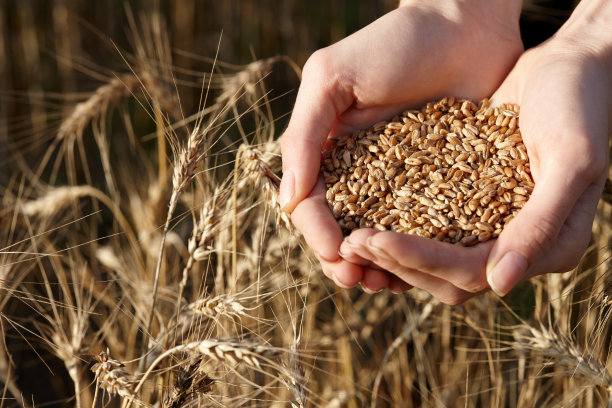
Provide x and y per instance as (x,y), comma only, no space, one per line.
(451,171)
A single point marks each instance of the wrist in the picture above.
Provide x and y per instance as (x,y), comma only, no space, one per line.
(502,9)
(478,16)
(588,30)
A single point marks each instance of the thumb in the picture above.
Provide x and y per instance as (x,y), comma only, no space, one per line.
(534,229)
(322,97)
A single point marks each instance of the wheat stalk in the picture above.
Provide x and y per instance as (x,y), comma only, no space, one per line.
(230,351)
(246,79)
(409,327)
(56,199)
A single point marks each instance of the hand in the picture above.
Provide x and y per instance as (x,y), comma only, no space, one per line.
(417,53)
(563,89)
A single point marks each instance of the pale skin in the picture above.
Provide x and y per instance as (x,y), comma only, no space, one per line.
(421,52)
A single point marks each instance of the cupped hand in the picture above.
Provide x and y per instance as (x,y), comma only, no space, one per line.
(563,90)
(417,53)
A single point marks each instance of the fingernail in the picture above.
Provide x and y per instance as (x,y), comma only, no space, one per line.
(395,289)
(351,245)
(286,190)
(367,290)
(507,272)
(325,259)
(339,283)
(377,251)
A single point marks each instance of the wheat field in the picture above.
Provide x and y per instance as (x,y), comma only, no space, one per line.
(144,260)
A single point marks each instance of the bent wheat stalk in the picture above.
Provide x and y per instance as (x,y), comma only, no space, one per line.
(225,350)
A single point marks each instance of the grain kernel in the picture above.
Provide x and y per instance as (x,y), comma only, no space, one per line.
(450,171)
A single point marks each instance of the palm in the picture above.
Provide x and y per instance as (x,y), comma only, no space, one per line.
(567,146)
(406,58)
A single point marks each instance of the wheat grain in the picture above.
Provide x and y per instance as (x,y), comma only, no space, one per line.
(453,172)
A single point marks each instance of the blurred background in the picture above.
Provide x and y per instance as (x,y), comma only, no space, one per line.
(60,47)
(54,53)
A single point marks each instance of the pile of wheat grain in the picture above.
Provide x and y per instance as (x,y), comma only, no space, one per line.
(451,171)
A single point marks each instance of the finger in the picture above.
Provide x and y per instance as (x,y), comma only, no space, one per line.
(441,289)
(374,280)
(349,251)
(313,218)
(344,274)
(323,95)
(573,238)
(397,286)
(322,233)
(565,159)
(531,233)
(353,258)
(461,266)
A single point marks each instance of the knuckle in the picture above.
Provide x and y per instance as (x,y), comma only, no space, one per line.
(572,262)
(286,144)
(541,235)
(596,167)
(589,161)
(572,258)
(452,297)
(472,284)
(322,71)
(317,64)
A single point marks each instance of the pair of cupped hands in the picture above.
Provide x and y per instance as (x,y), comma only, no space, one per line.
(422,52)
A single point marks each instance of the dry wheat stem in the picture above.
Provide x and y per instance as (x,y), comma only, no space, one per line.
(71,129)
(188,384)
(187,160)
(245,79)
(6,370)
(58,198)
(96,106)
(225,350)
(203,233)
(407,331)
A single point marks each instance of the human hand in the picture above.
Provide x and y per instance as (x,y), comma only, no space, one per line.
(564,90)
(415,54)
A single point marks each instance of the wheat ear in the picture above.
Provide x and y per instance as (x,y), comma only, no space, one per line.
(111,377)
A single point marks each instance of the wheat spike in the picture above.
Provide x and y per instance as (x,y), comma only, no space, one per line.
(564,352)
(246,80)
(96,105)
(111,377)
(218,306)
(190,383)
(259,167)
